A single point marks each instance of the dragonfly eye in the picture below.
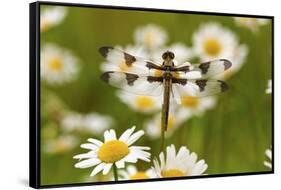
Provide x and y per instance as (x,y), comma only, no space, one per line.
(171,55)
(164,55)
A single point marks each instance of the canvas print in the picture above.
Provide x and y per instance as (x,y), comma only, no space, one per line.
(142,95)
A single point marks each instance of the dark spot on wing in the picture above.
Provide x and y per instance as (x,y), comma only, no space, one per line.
(154,79)
(224,86)
(129,59)
(201,84)
(204,67)
(179,81)
(105,76)
(131,78)
(104,50)
(227,64)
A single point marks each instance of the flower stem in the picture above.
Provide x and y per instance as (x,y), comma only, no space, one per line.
(115,172)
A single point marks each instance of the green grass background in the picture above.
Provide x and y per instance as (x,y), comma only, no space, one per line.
(231,138)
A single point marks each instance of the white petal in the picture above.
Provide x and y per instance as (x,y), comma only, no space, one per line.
(89,146)
(95,141)
(171,157)
(107,168)
(162,161)
(106,136)
(135,137)
(109,135)
(199,166)
(140,147)
(120,163)
(87,163)
(98,169)
(91,154)
(267,164)
(124,137)
(268,153)
(130,158)
(113,134)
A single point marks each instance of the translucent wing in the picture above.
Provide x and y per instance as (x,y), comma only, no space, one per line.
(118,60)
(212,68)
(206,69)
(133,83)
(197,88)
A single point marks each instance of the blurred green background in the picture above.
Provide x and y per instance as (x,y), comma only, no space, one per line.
(231,137)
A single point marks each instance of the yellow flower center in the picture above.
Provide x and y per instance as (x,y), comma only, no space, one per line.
(171,122)
(190,101)
(144,102)
(139,175)
(172,173)
(55,64)
(124,67)
(113,151)
(148,39)
(212,47)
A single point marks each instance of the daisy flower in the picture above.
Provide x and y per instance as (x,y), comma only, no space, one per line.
(51,17)
(175,120)
(60,144)
(178,164)
(252,24)
(268,153)
(181,51)
(191,105)
(150,36)
(97,123)
(213,41)
(139,103)
(269,87)
(115,62)
(58,65)
(132,173)
(92,122)
(112,152)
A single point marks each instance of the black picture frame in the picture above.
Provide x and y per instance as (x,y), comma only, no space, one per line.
(34,93)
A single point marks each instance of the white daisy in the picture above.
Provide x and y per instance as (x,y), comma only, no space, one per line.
(60,144)
(178,164)
(71,121)
(112,151)
(175,120)
(132,173)
(181,51)
(252,24)
(268,153)
(97,123)
(191,105)
(115,61)
(150,36)
(269,87)
(91,122)
(213,41)
(51,17)
(139,103)
(58,65)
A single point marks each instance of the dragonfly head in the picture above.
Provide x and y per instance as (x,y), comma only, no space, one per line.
(168,57)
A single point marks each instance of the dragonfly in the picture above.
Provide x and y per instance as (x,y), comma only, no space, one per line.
(167,79)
